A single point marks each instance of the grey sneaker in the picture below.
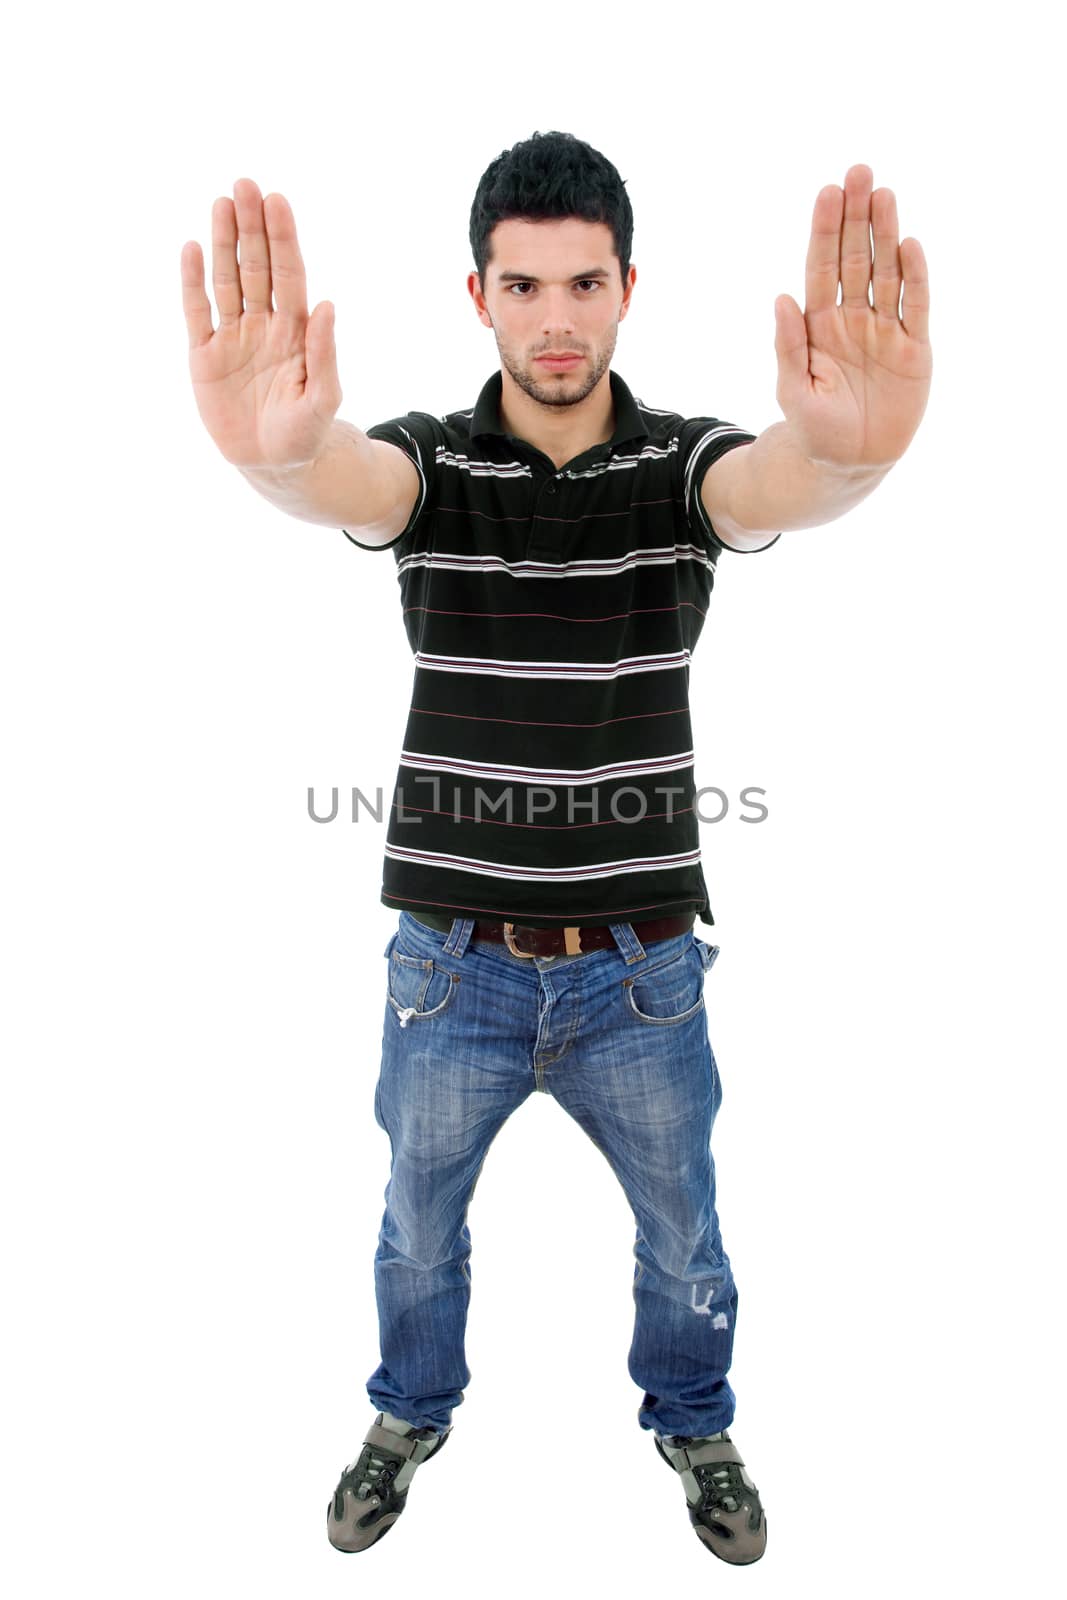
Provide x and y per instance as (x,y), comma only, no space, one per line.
(373,1490)
(724,1503)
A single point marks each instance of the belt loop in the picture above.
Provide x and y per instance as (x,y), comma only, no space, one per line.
(708,952)
(458,937)
(628,942)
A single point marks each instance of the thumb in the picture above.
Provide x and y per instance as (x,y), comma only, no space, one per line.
(320,359)
(790,342)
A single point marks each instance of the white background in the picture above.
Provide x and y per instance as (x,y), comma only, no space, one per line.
(193,1177)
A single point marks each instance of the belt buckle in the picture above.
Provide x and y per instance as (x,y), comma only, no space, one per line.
(572,942)
(509,940)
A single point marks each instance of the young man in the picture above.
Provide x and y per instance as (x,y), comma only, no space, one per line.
(556,545)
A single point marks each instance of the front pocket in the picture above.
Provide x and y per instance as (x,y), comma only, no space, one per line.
(670,993)
(418,988)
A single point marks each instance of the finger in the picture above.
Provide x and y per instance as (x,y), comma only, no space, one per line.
(886,275)
(224,279)
(856,238)
(195,303)
(255,251)
(824,251)
(915,311)
(286,263)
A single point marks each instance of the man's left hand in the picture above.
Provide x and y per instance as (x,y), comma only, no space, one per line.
(854,378)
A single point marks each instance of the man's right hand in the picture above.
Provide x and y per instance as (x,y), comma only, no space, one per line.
(265,379)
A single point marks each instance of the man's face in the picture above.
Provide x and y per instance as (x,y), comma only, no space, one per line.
(553,286)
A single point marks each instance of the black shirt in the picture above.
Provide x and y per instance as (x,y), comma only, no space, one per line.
(546,775)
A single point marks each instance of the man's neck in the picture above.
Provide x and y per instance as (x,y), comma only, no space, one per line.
(559,432)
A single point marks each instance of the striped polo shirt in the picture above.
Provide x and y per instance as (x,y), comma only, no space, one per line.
(547,770)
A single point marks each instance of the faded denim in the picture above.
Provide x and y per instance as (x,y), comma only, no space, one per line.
(619,1038)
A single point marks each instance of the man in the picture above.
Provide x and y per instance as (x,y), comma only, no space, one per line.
(556,546)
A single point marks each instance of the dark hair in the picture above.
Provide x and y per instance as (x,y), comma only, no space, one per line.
(548,176)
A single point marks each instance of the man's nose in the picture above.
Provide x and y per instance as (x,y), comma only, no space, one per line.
(557,311)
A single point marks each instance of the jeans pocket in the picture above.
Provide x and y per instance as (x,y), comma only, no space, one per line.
(418,988)
(671,992)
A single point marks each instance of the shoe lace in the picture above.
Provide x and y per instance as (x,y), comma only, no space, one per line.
(721,1486)
(373,1471)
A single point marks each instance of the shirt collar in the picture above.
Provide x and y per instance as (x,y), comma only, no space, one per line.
(628,423)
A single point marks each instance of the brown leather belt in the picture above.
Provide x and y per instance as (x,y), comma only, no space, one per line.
(571,941)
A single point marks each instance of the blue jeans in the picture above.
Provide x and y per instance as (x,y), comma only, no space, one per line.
(619,1037)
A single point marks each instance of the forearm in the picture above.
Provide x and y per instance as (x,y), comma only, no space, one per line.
(328,490)
(782,488)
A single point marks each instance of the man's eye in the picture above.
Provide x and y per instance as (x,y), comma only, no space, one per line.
(527,285)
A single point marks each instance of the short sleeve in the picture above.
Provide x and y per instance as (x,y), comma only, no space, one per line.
(416,434)
(701,441)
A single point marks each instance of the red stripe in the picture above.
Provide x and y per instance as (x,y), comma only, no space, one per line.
(571,920)
(591,516)
(524,722)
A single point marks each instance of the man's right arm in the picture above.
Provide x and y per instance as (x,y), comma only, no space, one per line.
(364,485)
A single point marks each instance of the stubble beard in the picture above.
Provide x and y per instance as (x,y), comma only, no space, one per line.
(557,390)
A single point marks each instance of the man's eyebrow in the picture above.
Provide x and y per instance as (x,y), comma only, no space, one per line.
(526,277)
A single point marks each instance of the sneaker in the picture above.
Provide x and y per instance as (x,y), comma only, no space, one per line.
(374,1488)
(724,1503)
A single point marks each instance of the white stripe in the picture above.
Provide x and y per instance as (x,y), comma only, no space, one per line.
(600,567)
(493,869)
(480,467)
(498,667)
(418,468)
(549,776)
(726,431)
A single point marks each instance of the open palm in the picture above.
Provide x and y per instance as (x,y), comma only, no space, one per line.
(265,380)
(854,378)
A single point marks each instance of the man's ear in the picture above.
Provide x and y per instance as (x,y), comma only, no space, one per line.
(631,279)
(474,289)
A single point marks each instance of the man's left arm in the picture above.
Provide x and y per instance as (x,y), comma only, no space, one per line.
(769,486)
(853,379)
